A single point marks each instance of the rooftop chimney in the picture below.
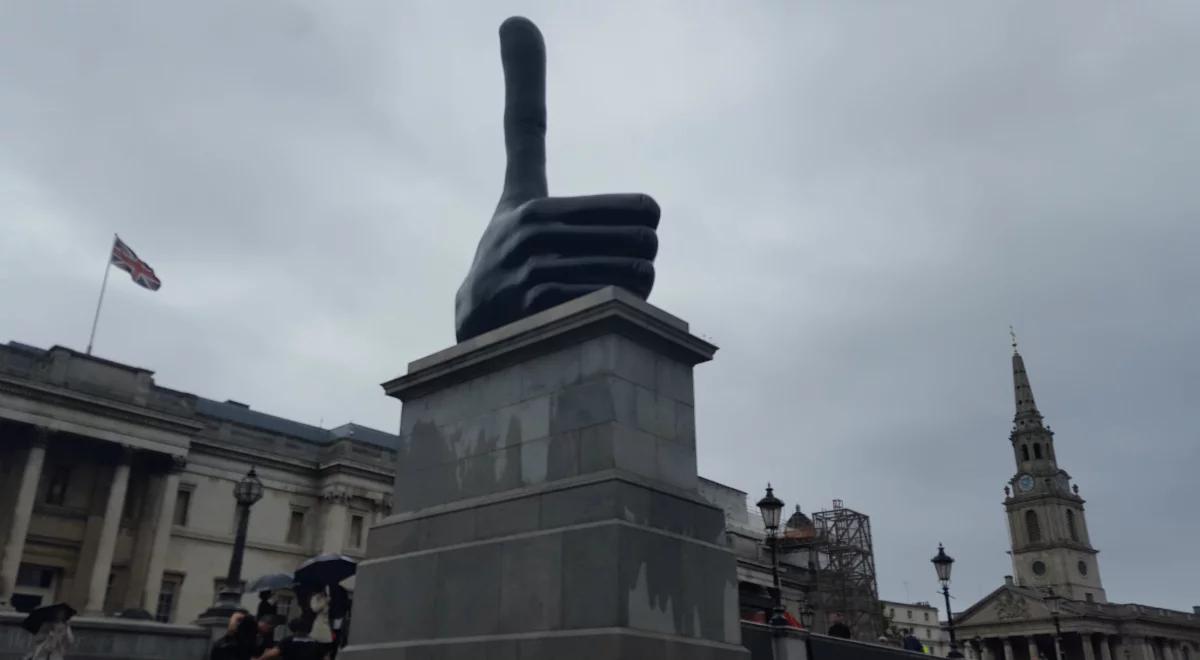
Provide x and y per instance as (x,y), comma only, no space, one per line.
(1008,581)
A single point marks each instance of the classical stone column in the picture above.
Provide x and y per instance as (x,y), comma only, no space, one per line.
(1168,650)
(162,536)
(102,565)
(1033,647)
(1008,648)
(1088,652)
(14,545)
(1142,648)
(336,503)
(1105,648)
(985,650)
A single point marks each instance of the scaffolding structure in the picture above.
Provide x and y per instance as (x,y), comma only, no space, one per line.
(845,559)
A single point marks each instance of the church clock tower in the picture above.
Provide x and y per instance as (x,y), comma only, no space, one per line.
(1046,523)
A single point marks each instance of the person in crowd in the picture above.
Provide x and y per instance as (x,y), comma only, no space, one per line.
(339,611)
(322,631)
(239,640)
(266,606)
(266,634)
(911,643)
(838,628)
(299,646)
(53,639)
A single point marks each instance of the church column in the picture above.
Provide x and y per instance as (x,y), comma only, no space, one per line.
(102,565)
(1089,653)
(162,536)
(1168,650)
(1105,648)
(18,529)
(1033,647)
(1008,649)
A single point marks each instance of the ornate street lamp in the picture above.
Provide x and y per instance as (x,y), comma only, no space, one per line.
(770,507)
(246,492)
(1054,603)
(807,615)
(942,564)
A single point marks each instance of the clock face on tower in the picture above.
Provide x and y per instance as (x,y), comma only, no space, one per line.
(1025,483)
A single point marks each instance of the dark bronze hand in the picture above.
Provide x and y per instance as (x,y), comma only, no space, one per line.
(539,251)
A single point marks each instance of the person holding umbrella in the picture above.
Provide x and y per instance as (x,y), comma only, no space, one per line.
(322,630)
(52,633)
(315,577)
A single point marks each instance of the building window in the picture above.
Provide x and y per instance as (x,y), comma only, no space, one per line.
(1039,568)
(891,612)
(1037,450)
(1090,598)
(295,531)
(56,490)
(1082,566)
(35,586)
(1071,525)
(1025,452)
(183,504)
(909,613)
(927,616)
(356,532)
(165,609)
(1032,526)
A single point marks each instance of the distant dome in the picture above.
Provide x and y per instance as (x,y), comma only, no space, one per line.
(799,526)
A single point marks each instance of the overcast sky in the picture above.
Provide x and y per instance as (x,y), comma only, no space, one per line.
(858,199)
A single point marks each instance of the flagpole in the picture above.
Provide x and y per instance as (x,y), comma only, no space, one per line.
(103,285)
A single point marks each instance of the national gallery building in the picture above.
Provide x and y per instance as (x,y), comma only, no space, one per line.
(116,493)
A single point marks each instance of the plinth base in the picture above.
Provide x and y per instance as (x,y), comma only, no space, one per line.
(546,499)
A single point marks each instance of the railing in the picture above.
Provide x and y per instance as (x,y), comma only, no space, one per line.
(767,643)
(112,639)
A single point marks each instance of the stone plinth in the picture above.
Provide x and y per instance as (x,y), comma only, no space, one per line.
(545,502)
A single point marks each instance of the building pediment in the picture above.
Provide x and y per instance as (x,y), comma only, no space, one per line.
(1006,605)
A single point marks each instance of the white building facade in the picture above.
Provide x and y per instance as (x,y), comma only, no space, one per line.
(922,619)
(116,494)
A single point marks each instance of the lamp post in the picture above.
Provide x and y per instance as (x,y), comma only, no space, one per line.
(1054,604)
(229,598)
(942,563)
(770,507)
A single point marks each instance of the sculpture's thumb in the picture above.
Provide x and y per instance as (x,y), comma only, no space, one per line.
(523,54)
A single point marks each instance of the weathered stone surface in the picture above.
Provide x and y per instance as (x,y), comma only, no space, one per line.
(596,499)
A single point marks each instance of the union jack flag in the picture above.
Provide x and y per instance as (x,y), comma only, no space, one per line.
(127,260)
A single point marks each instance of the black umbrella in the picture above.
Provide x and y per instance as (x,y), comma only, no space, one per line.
(271,582)
(326,569)
(33,622)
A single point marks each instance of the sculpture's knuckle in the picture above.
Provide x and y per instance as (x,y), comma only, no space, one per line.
(532,212)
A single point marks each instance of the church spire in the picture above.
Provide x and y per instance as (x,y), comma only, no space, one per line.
(1027,415)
